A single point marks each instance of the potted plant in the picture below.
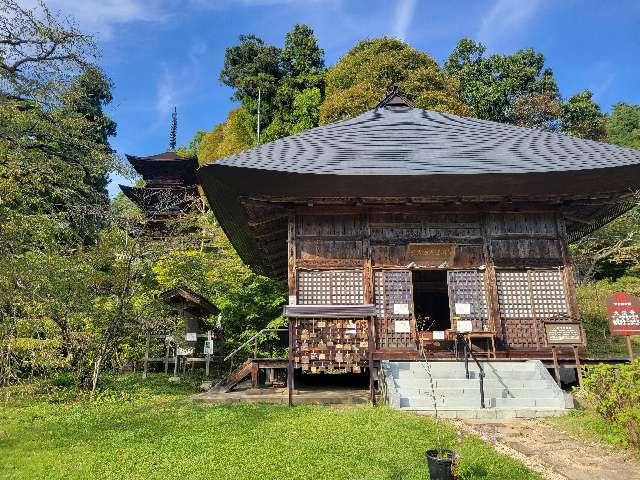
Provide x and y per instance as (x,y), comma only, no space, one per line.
(441,460)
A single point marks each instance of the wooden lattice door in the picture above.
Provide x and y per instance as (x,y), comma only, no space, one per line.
(527,298)
(395,326)
(468,297)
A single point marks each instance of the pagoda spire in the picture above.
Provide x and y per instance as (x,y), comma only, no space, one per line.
(173,131)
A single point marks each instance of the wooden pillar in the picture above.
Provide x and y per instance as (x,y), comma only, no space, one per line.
(371,346)
(578,366)
(254,374)
(291,259)
(368,266)
(556,367)
(629,347)
(290,384)
(146,355)
(568,275)
(491,282)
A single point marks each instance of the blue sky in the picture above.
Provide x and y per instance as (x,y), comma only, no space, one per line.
(162,53)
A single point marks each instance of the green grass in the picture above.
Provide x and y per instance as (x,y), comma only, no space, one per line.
(588,425)
(146,430)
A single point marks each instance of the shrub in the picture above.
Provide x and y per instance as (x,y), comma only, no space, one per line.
(613,391)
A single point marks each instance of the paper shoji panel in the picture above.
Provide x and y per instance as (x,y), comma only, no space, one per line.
(467,286)
(548,294)
(330,287)
(514,295)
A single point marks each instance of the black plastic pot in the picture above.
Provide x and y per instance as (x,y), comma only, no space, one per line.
(440,464)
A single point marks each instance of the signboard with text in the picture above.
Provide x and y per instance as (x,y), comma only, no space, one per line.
(563,333)
(431,254)
(623,312)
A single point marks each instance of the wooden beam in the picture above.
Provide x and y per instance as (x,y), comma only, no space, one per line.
(371,347)
(290,384)
(291,258)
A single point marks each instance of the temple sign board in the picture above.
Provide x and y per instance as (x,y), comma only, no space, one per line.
(431,254)
(563,333)
(623,312)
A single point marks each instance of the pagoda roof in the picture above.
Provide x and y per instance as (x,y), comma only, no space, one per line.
(165,200)
(167,165)
(397,150)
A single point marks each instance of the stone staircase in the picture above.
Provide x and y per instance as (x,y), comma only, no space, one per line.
(513,389)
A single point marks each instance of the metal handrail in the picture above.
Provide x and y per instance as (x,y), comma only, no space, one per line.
(469,350)
(255,340)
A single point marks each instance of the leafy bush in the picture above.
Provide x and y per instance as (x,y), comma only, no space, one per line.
(613,391)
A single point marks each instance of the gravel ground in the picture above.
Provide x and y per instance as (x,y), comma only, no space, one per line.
(554,454)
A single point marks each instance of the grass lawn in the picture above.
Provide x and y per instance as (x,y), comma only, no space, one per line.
(147,430)
(588,425)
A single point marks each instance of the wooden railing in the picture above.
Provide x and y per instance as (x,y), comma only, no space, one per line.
(253,339)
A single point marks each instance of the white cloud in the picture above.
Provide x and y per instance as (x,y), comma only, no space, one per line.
(402,20)
(166,92)
(506,17)
(178,85)
(101,16)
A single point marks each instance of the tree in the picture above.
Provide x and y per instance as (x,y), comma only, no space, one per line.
(56,162)
(623,126)
(582,117)
(290,82)
(40,52)
(251,66)
(367,72)
(512,88)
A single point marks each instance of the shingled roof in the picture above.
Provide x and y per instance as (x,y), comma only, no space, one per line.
(398,140)
(396,150)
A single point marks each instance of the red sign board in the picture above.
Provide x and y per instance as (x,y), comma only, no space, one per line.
(623,311)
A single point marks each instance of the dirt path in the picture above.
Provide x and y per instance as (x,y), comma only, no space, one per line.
(556,455)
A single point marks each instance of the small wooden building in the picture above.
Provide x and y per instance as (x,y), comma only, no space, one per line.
(391,226)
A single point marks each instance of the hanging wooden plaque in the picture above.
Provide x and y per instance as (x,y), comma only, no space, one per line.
(431,254)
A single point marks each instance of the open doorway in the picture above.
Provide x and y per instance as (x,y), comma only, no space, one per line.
(431,300)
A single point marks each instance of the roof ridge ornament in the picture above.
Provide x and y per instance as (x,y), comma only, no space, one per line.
(395,98)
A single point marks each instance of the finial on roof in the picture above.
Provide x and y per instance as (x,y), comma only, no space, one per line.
(173,131)
(395,98)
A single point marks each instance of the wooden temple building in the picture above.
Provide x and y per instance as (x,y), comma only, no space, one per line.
(394,226)
(170,186)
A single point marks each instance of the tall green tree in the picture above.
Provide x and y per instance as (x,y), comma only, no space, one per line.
(367,72)
(582,117)
(290,82)
(514,88)
(301,88)
(623,126)
(248,67)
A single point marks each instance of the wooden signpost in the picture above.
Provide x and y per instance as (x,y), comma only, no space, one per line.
(564,334)
(623,312)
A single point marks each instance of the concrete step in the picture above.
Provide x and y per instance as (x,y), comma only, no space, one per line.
(508,386)
(472,374)
(426,403)
(488,392)
(493,413)
(460,383)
